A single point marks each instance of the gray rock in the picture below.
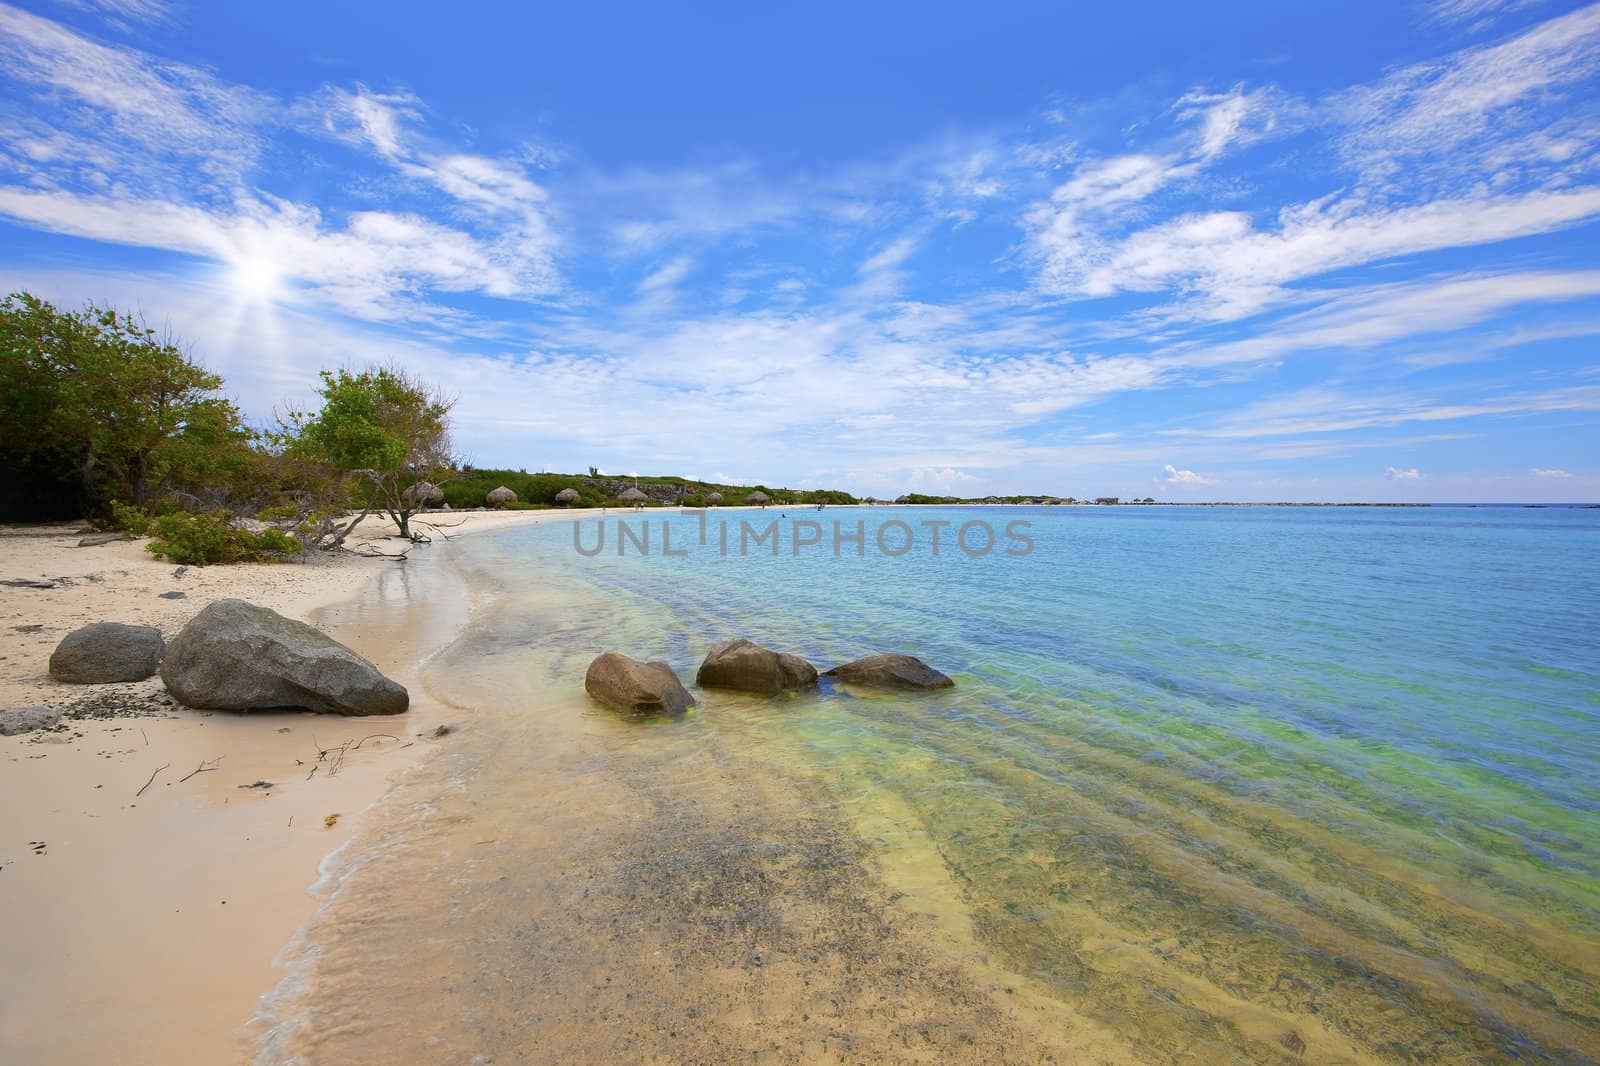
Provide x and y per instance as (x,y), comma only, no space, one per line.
(105,652)
(235,656)
(629,685)
(27,719)
(174,595)
(901,673)
(96,539)
(746,666)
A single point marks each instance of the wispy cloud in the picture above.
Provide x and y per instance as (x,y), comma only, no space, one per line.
(127,13)
(1396,474)
(1477,13)
(1551,473)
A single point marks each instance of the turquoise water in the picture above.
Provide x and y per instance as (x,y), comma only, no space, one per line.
(1215,785)
(1217,777)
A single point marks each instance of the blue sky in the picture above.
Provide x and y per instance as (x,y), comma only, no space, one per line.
(1220,251)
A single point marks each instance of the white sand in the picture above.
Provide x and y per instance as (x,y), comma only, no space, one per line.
(146,926)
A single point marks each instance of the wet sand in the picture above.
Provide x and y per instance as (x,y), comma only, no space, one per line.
(565,886)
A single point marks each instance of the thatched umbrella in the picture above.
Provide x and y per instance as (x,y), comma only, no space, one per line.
(759,498)
(567,497)
(714,498)
(423,494)
(500,497)
(903,499)
(633,496)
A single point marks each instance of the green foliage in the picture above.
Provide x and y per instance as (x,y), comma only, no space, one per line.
(380,428)
(127,517)
(95,406)
(203,539)
(531,489)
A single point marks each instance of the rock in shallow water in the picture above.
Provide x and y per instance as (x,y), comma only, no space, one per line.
(746,666)
(235,656)
(27,719)
(901,673)
(106,652)
(629,685)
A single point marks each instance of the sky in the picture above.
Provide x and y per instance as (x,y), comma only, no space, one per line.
(1224,251)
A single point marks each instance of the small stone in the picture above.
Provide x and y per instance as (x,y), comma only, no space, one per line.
(174,595)
(27,719)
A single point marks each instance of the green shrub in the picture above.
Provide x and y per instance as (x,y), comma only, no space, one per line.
(202,539)
(278,513)
(127,517)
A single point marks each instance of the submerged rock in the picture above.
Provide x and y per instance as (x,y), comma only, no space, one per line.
(901,673)
(17,720)
(235,656)
(748,667)
(629,685)
(106,652)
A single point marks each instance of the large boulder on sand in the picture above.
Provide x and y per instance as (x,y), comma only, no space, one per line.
(629,685)
(103,652)
(15,720)
(748,667)
(235,656)
(901,673)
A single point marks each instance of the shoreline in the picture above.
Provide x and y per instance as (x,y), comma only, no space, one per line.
(139,906)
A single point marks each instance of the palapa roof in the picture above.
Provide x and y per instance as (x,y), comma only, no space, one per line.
(500,495)
(632,496)
(567,495)
(759,497)
(423,492)
(714,497)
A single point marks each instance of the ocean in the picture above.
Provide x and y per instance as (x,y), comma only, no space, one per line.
(1214,784)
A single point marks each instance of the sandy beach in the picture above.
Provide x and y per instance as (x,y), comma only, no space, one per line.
(154,860)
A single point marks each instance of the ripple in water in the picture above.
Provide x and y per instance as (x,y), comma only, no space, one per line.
(1249,785)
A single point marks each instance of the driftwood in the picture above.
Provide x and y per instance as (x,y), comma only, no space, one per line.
(331,759)
(205,767)
(150,782)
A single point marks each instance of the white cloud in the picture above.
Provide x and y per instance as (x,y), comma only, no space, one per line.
(1237,118)
(1239,269)
(1475,148)
(1396,474)
(125,14)
(1484,114)
(1536,472)
(1174,476)
(157,154)
(1476,12)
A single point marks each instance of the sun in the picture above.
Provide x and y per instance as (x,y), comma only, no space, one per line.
(256,279)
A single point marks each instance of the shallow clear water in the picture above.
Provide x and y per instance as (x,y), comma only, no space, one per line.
(1214,784)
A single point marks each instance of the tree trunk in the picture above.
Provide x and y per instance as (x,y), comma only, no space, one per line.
(87,474)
